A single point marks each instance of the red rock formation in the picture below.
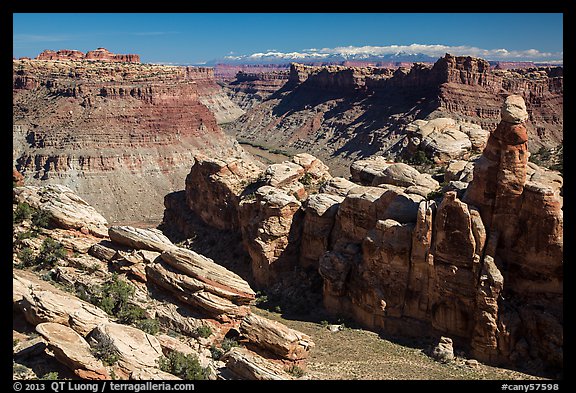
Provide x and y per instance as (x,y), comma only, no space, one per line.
(122,135)
(341,113)
(17,178)
(102,54)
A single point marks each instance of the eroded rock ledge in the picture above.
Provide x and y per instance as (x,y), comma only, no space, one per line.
(478,264)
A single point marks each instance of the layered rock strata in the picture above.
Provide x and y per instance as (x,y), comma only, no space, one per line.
(478,269)
(101,54)
(184,292)
(341,114)
(121,135)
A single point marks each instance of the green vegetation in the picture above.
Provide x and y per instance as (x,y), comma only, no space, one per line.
(434,195)
(420,158)
(203,331)
(50,252)
(40,218)
(104,350)
(26,257)
(184,366)
(23,212)
(148,325)
(53,375)
(295,371)
(114,298)
(229,343)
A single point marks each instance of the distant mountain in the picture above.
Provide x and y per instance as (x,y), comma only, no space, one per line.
(319,58)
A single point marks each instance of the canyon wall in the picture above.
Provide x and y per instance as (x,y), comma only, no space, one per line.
(122,135)
(101,54)
(481,264)
(343,113)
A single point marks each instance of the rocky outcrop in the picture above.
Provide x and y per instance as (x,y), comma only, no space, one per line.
(201,283)
(147,239)
(342,114)
(270,233)
(136,350)
(41,302)
(244,364)
(101,54)
(121,135)
(72,350)
(444,139)
(214,188)
(67,210)
(185,292)
(474,268)
(276,338)
(251,88)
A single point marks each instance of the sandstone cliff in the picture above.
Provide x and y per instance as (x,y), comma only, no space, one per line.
(342,113)
(101,54)
(122,135)
(104,303)
(481,264)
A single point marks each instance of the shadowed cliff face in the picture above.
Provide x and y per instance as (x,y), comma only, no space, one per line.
(482,265)
(344,113)
(121,135)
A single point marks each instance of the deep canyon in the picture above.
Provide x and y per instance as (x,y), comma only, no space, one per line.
(421,202)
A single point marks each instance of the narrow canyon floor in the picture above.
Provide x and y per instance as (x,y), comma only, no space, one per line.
(358,354)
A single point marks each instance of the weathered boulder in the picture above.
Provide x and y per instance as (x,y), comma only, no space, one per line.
(72,350)
(214,278)
(364,171)
(244,364)
(152,374)
(317,170)
(338,186)
(194,292)
(148,239)
(135,349)
(275,337)
(459,170)
(403,175)
(67,210)
(280,175)
(40,302)
(514,110)
(443,351)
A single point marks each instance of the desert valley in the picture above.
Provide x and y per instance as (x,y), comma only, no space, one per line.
(297,221)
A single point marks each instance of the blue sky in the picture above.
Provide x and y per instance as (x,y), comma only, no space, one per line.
(194,38)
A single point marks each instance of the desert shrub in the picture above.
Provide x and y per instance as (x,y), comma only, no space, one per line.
(307,179)
(104,350)
(203,331)
(216,352)
(434,195)
(26,257)
(228,344)
(148,325)
(50,252)
(420,158)
(26,235)
(295,371)
(23,212)
(184,366)
(53,375)
(41,218)
(113,297)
